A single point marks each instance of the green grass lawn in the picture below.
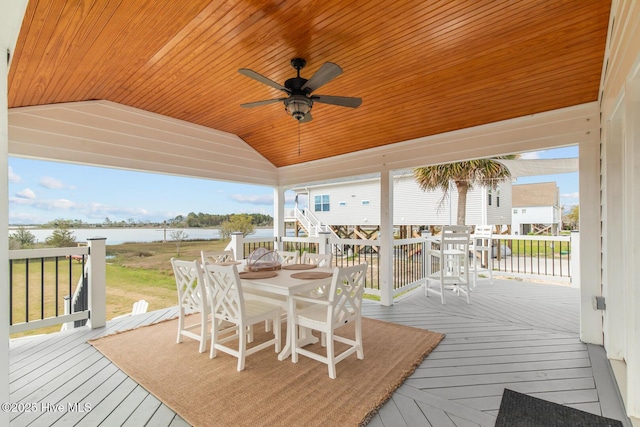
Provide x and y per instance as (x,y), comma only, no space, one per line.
(135,271)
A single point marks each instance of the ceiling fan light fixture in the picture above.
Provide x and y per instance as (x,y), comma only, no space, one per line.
(297,106)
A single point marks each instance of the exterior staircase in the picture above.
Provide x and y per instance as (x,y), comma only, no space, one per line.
(311,224)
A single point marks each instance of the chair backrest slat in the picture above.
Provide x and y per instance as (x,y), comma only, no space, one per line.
(190,284)
(347,289)
(225,292)
(322,260)
(216,256)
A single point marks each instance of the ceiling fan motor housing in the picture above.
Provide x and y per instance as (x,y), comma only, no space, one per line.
(298,106)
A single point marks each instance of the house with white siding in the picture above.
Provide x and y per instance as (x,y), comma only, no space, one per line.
(357,203)
(536,208)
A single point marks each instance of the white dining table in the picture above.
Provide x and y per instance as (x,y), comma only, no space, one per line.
(284,284)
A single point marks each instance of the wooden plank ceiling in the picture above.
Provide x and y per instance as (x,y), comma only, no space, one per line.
(420,67)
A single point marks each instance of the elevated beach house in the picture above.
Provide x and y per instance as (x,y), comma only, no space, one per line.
(154,86)
(356,203)
(536,208)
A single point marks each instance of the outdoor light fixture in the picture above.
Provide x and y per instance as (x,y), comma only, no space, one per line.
(297,106)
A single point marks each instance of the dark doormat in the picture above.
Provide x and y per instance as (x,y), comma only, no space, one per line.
(520,410)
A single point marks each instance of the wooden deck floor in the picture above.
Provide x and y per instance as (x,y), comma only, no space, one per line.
(517,335)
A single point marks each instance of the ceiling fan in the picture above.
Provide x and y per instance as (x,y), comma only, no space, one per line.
(299,101)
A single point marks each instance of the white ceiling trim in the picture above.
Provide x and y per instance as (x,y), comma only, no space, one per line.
(104,133)
(563,127)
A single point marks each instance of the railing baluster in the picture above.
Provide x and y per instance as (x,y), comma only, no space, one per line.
(26,287)
(57,281)
(10,292)
(42,288)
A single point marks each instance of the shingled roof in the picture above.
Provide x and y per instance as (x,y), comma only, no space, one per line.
(538,194)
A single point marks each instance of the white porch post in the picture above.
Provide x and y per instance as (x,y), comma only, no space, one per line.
(11,13)
(386,238)
(632,247)
(278,215)
(236,245)
(4,227)
(97,282)
(590,283)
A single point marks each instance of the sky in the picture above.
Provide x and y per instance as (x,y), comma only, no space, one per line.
(42,191)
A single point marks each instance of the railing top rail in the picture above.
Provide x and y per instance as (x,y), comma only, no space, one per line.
(47,252)
(338,241)
(528,237)
(409,241)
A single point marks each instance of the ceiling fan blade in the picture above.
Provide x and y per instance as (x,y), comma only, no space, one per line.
(307,118)
(262,79)
(342,101)
(324,75)
(259,103)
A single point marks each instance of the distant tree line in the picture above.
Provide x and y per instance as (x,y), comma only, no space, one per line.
(192,220)
(195,220)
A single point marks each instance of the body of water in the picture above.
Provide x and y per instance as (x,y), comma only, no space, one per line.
(116,236)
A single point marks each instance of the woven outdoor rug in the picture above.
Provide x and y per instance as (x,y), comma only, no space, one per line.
(521,410)
(210,392)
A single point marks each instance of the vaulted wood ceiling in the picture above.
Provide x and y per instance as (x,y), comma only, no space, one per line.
(421,67)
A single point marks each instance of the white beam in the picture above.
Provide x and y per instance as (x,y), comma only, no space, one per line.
(11,13)
(278,214)
(386,238)
(568,126)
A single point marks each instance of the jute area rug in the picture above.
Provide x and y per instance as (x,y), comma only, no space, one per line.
(210,392)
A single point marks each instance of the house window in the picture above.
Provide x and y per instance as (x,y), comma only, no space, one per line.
(524,211)
(489,199)
(515,211)
(498,201)
(365,202)
(321,203)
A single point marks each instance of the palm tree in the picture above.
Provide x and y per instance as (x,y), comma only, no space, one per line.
(465,175)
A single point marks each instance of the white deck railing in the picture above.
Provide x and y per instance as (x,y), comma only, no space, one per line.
(52,283)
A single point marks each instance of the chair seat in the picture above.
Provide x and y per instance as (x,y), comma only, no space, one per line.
(259,309)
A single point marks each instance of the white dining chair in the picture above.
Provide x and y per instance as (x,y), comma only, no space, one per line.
(451,257)
(321,260)
(343,305)
(230,307)
(482,252)
(191,299)
(216,256)
(289,257)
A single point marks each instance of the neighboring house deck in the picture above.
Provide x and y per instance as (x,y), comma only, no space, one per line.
(519,335)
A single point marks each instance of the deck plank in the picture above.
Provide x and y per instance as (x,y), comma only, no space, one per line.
(517,335)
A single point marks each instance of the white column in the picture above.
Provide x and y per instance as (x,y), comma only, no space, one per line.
(11,13)
(278,215)
(632,246)
(237,245)
(575,259)
(97,282)
(613,236)
(590,283)
(324,246)
(386,238)
(4,230)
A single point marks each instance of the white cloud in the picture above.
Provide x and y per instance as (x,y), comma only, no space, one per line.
(27,193)
(531,155)
(262,199)
(13,177)
(25,218)
(52,183)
